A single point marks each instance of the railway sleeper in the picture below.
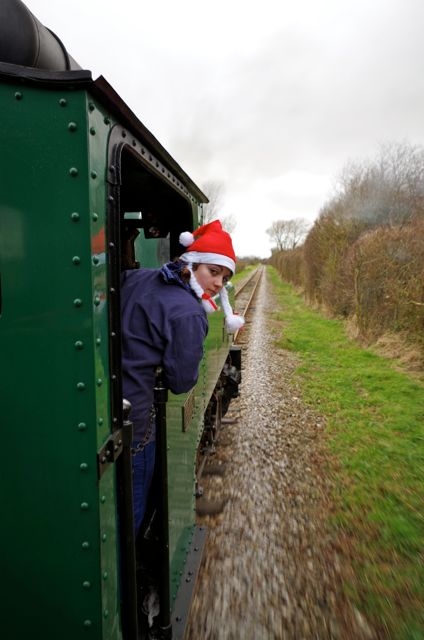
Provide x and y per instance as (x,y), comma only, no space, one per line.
(206,507)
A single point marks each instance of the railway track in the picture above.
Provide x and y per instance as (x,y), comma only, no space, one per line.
(245,295)
(271,568)
(210,462)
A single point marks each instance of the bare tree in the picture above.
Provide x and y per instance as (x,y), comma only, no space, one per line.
(215,191)
(229,223)
(386,191)
(288,234)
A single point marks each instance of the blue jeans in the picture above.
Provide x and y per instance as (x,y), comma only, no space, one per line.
(143,464)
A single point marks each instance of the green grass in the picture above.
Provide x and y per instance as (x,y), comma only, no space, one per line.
(375,433)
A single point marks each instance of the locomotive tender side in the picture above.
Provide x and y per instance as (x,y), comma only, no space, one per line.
(86,190)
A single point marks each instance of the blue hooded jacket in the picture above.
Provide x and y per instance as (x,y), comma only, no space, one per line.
(163,323)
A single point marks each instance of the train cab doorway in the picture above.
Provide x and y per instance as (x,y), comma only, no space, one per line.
(149,207)
(152,214)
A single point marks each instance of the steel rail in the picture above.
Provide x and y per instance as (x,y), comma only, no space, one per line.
(246,282)
(254,280)
(208,507)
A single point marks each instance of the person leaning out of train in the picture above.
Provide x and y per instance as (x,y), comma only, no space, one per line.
(164,323)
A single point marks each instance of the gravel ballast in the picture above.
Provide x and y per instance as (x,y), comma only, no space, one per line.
(272,568)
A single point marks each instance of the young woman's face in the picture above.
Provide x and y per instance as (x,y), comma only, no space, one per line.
(211,277)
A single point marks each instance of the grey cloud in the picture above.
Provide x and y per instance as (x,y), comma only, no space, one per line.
(309,103)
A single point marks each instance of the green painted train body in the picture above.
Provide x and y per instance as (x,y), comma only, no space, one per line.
(78,173)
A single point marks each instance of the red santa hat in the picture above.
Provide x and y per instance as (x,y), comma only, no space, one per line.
(211,244)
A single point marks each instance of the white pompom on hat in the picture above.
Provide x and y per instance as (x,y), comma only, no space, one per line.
(211,244)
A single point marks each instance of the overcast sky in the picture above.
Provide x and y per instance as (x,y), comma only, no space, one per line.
(270,98)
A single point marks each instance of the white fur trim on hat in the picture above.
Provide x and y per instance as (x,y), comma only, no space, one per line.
(233,322)
(209,258)
(208,303)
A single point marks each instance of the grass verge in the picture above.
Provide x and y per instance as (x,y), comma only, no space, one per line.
(375,433)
